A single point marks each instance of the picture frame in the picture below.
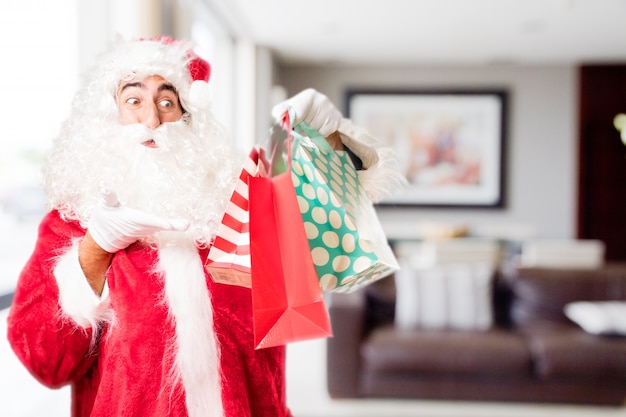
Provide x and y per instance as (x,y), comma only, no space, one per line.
(450,143)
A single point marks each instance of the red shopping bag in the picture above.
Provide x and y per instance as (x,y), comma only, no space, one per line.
(228,261)
(287,300)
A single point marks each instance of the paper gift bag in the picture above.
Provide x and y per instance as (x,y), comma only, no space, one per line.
(287,301)
(228,261)
(348,245)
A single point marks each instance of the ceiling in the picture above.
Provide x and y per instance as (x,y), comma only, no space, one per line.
(448,32)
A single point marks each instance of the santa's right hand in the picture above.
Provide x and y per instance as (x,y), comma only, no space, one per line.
(114,227)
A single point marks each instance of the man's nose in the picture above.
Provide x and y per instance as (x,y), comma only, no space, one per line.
(151,117)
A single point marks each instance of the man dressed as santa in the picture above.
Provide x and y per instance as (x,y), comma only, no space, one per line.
(115,300)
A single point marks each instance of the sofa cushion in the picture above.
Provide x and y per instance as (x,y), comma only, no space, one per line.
(446,351)
(451,296)
(540,294)
(601,317)
(573,353)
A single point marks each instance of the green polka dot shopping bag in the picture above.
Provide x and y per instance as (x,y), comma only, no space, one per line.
(348,245)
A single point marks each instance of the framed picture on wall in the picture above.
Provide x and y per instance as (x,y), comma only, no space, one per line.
(450,143)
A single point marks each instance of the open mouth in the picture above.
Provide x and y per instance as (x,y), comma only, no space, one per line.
(150,143)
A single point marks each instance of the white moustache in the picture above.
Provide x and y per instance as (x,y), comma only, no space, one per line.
(154,138)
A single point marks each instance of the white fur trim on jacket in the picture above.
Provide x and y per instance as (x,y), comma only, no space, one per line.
(77,299)
(197,352)
(380,176)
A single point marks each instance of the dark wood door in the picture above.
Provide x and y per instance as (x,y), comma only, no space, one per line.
(602,158)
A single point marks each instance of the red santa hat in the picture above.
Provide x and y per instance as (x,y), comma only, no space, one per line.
(170,58)
(200,72)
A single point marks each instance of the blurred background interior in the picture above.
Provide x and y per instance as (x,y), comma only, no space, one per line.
(553,167)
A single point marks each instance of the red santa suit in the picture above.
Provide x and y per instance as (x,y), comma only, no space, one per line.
(124,367)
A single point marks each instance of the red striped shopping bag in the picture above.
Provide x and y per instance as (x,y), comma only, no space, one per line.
(228,261)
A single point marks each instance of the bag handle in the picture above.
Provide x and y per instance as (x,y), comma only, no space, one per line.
(288,116)
(316,137)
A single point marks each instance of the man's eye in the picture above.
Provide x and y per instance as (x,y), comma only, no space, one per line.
(167,103)
(132,101)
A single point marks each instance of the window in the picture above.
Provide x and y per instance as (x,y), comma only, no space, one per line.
(39,73)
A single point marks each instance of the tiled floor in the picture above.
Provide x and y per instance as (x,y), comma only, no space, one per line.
(22,396)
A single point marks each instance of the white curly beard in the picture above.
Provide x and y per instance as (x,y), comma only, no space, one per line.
(188,175)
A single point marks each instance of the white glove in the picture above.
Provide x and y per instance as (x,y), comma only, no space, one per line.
(313,108)
(114,227)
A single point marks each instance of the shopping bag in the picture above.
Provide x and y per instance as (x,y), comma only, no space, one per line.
(347,242)
(228,261)
(287,300)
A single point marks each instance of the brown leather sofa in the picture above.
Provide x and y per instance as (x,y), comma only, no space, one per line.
(532,353)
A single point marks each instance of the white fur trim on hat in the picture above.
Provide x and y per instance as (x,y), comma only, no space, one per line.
(199,94)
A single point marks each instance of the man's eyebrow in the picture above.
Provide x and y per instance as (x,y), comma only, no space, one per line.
(139,84)
(168,87)
(128,85)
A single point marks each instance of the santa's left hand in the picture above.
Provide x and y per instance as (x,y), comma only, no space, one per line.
(313,108)
(114,227)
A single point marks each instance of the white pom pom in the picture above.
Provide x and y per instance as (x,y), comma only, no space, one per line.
(199,94)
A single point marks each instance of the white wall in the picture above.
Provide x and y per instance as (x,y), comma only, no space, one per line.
(101,23)
(541,145)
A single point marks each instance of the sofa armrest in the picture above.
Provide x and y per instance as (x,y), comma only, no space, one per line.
(343,361)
